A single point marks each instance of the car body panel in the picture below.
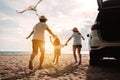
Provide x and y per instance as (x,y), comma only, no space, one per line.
(104,38)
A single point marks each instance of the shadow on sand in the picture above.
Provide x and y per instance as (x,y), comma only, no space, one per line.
(105,70)
(71,68)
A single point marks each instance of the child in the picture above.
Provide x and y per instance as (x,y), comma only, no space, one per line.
(57,49)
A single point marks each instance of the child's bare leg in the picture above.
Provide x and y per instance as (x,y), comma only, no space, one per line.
(54,58)
(57,57)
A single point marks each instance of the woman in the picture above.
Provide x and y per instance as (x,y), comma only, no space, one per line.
(76,43)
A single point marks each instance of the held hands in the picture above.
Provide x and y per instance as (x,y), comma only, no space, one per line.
(54,36)
(50,37)
(66,44)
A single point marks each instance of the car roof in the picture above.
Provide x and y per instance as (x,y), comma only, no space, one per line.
(108,4)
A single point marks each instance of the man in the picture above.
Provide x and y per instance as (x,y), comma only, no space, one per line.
(38,40)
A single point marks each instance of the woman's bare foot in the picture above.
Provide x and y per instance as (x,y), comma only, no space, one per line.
(75,62)
(79,63)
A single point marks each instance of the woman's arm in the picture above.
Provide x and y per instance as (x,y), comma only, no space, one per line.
(68,40)
(82,37)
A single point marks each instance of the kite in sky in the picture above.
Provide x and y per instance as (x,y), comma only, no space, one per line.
(31,7)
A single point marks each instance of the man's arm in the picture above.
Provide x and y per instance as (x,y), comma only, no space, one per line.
(50,32)
(30,35)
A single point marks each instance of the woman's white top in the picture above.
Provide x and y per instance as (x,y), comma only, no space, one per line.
(77,38)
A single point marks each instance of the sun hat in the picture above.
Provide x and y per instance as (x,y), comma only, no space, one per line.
(43,17)
(75,29)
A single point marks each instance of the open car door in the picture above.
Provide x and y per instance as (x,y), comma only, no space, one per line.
(99,2)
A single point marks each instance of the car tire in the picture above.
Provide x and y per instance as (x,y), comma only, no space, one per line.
(94,58)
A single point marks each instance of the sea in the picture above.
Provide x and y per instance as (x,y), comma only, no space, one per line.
(14,52)
(29,52)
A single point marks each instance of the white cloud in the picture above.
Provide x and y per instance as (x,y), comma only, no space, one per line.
(62,16)
(3,16)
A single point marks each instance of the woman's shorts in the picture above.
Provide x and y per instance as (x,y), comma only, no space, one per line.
(77,46)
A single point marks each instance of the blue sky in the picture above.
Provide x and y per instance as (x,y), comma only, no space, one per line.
(62,16)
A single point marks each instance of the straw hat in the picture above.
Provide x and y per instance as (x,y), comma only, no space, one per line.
(43,17)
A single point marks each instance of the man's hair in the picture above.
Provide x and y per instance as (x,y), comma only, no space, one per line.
(42,20)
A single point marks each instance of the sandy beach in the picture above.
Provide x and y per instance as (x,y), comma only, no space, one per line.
(15,67)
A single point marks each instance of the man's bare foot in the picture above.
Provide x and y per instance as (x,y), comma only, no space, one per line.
(30,65)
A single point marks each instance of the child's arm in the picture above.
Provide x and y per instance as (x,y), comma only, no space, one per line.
(51,40)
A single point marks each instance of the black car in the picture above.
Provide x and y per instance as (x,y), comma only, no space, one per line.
(104,39)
